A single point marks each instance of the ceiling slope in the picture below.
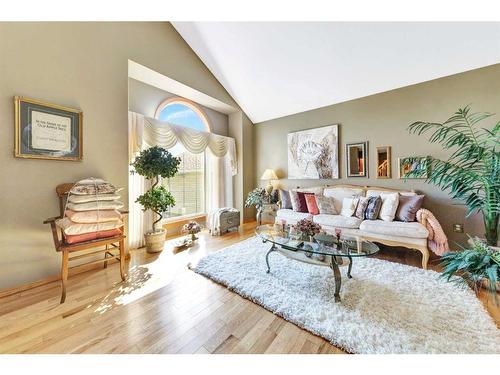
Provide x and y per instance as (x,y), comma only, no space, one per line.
(274,69)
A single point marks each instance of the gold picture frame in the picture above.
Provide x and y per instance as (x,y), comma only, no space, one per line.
(57,135)
(384,165)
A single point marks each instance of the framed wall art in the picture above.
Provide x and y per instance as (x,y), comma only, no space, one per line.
(416,167)
(47,131)
(384,162)
(357,159)
(313,153)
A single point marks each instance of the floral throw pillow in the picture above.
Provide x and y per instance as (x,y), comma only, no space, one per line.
(360,210)
(325,205)
(349,206)
(373,208)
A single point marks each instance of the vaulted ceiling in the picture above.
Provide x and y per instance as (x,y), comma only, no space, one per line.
(274,69)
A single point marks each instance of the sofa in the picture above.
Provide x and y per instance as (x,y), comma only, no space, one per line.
(411,235)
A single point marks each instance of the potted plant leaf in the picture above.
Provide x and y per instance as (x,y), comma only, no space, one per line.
(472,172)
(257,197)
(151,164)
(478,266)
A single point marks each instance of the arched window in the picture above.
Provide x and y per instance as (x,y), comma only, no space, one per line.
(180,111)
(188,186)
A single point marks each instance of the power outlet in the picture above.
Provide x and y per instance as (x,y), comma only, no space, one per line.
(458,228)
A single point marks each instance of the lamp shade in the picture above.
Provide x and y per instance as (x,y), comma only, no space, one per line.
(269,175)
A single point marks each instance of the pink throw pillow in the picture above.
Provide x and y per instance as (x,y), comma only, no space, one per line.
(312,206)
(92,236)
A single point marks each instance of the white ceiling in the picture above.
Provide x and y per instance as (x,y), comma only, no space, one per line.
(276,69)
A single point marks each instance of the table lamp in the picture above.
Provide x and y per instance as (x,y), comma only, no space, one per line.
(269,175)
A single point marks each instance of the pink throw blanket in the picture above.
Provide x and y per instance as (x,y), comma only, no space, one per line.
(437,240)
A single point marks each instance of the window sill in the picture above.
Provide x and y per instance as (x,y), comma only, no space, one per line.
(183,219)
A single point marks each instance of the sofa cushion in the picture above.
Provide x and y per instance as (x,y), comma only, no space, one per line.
(349,206)
(373,208)
(286,200)
(298,201)
(291,216)
(395,228)
(326,205)
(390,203)
(312,206)
(362,205)
(337,221)
(339,193)
(376,193)
(408,207)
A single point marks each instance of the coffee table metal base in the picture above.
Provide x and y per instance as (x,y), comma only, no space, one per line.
(334,265)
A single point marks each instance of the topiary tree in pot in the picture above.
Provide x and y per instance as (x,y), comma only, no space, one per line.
(151,164)
(472,172)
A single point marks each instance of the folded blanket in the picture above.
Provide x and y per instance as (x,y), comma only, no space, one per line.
(92,236)
(92,198)
(91,206)
(94,216)
(437,240)
(71,228)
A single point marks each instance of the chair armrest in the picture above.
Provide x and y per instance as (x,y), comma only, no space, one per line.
(51,220)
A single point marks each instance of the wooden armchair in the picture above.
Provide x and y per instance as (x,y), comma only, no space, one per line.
(110,244)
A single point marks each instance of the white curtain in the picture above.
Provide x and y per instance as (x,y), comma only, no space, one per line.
(148,131)
(218,182)
(221,165)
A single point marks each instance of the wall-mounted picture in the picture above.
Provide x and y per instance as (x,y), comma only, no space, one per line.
(414,167)
(313,153)
(357,159)
(47,131)
(384,162)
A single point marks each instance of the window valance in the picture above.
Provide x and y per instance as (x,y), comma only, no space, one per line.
(146,131)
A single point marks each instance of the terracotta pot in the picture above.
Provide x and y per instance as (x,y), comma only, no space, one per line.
(155,240)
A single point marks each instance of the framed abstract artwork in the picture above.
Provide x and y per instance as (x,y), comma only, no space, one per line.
(313,153)
(47,131)
(416,167)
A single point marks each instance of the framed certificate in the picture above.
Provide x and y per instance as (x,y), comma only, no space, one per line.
(47,131)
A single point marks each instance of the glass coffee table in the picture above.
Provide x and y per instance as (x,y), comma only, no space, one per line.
(324,250)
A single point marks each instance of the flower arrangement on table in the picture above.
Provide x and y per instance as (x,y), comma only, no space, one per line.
(307,228)
(191,228)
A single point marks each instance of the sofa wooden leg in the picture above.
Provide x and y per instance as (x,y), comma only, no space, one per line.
(425,258)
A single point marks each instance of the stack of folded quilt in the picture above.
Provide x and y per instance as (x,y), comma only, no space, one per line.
(91,212)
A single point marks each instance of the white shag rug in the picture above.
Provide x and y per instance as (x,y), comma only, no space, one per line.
(386,307)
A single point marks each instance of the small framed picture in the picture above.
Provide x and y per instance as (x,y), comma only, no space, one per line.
(47,131)
(416,167)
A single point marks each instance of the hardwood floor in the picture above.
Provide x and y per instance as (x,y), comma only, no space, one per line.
(162,308)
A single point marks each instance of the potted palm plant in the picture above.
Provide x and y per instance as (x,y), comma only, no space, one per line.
(472,172)
(151,164)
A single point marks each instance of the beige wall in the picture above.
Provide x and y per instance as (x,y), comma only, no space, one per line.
(79,65)
(382,120)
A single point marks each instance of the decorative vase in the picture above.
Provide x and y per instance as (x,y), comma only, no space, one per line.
(193,237)
(155,240)
(259,216)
